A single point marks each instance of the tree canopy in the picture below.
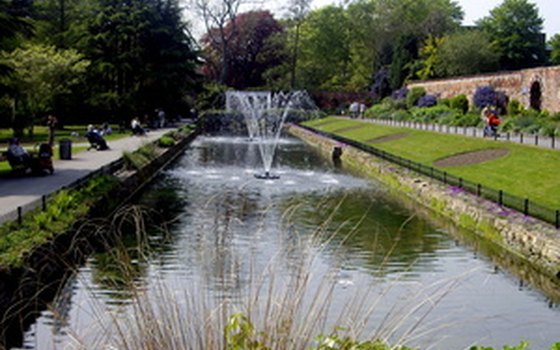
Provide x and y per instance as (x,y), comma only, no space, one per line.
(139,52)
(515,30)
(251,50)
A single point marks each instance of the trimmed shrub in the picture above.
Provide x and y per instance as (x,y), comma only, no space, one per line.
(433,114)
(460,102)
(380,111)
(514,108)
(468,119)
(394,103)
(444,102)
(401,115)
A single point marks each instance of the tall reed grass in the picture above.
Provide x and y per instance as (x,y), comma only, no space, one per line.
(281,307)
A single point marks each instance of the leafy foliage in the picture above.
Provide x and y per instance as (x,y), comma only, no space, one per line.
(141,56)
(38,227)
(554,43)
(251,50)
(324,58)
(465,53)
(460,102)
(41,74)
(515,30)
(414,95)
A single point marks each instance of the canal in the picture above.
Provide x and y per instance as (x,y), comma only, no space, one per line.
(318,247)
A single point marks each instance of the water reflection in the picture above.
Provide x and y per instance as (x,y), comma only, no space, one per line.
(228,229)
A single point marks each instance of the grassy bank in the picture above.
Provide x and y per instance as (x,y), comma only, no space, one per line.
(68,206)
(527,172)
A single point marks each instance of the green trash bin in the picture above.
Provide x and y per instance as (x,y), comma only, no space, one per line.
(65,149)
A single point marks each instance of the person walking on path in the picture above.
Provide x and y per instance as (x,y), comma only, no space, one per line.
(51,125)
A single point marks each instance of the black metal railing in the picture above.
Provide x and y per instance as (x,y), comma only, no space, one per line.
(503,199)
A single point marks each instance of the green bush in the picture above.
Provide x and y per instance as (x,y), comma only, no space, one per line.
(550,129)
(166,141)
(414,95)
(395,103)
(435,114)
(444,102)
(460,102)
(401,115)
(514,108)
(379,111)
(468,119)
(63,210)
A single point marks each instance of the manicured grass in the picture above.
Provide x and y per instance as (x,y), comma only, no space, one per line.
(527,171)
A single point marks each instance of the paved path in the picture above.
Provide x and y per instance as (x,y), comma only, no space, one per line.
(25,191)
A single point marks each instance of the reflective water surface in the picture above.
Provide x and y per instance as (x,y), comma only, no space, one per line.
(419,282)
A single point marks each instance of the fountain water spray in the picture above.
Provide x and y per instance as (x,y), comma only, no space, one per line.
(264,114)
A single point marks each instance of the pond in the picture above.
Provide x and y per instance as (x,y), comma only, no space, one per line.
(317,248)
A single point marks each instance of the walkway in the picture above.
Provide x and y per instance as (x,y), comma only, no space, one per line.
(526,139)
(26,192)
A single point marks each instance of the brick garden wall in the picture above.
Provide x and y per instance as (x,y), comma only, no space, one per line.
(517,85)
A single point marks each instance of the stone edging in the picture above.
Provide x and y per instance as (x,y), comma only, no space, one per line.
(531,239)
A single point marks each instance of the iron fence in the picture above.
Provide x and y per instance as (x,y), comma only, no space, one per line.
(503,199)
(42,202)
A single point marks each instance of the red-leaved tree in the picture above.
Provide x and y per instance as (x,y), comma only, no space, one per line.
(251,50)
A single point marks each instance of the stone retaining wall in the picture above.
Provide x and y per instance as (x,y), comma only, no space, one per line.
(528,238)
(520,85)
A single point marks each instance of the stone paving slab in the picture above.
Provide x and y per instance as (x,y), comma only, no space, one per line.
(23,191)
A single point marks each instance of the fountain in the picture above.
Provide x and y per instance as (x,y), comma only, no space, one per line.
(264,114)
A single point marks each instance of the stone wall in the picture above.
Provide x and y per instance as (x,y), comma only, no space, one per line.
(524,85)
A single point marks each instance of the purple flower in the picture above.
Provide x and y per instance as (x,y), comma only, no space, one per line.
(456,190)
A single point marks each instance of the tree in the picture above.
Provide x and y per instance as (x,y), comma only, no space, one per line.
(217,14)
(11,26)
(387,33)
(554,43)
(298,10)
(429,57)
(465,53)
(142,57)
(251,50)
(515,30)
(62,23)
(324,56)
(40,73)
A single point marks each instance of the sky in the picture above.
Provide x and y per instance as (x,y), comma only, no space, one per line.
(549,10)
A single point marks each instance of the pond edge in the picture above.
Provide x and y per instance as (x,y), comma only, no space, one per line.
(533,240)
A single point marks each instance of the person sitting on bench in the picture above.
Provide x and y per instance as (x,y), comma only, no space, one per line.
(95,139)
(136,127)
(17,154)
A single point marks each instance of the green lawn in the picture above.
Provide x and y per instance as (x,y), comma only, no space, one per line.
(40,134)
(527,171)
